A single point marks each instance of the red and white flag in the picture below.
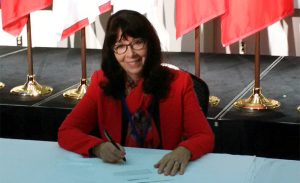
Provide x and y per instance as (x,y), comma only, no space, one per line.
(15,13)
(246,17)
(192,13)
(73,15)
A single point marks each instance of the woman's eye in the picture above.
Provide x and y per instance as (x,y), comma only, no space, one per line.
(138,42)
(118,47)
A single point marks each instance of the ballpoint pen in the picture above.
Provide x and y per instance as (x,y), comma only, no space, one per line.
(113,142)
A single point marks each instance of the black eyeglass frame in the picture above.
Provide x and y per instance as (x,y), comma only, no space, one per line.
(143,41)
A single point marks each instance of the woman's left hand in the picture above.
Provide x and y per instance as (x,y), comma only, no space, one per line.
(173,162)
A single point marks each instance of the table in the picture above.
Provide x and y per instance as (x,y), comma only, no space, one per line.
(42,162)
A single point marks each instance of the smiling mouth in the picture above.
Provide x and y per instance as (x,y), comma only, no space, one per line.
(133,62)
(137,60)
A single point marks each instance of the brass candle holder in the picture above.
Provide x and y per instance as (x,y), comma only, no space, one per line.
(2,85)
(214,101)
(78,92)
(31,88)
(257,101)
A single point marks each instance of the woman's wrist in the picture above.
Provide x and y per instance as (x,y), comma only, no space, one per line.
(95,151)
(186,150)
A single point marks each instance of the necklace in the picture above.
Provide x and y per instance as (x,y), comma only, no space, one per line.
(130,83)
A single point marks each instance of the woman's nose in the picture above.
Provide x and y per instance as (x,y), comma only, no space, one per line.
(130,51)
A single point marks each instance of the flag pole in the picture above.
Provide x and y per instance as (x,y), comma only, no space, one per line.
(197,51)
(257,101)
(79,92)
(213,100)
(31,87)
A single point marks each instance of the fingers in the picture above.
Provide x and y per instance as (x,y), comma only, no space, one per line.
(112,156)
(175,168)
(174,162)
(183,167)
(168,167)
(109,153)
(123,153)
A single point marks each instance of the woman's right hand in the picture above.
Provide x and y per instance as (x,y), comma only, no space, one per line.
(108,152)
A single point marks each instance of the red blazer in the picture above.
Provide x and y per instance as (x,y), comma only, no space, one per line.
(182,121)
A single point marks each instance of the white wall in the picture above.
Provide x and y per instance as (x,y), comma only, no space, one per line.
(282,38)
(297,4)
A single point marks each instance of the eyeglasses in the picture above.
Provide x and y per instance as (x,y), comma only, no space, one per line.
(136,44)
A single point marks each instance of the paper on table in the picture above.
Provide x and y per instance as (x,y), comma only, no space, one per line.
(139,167)
(210,168)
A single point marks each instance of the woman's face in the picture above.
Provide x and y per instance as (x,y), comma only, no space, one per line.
(131,54)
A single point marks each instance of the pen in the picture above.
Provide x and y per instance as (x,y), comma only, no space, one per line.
(113,142)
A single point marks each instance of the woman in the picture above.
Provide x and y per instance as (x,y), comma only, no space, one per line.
(138,101)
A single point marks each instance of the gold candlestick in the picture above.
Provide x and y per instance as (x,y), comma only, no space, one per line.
(2,85)
(214,101)
(78,92)
(31,88)
(257,101)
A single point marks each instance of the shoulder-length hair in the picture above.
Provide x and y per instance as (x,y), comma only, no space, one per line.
(156,78)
